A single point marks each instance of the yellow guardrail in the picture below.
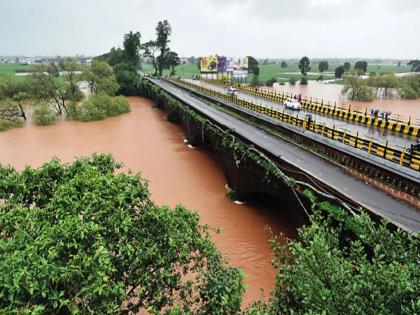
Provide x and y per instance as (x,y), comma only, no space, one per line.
(325,108)
(344,136)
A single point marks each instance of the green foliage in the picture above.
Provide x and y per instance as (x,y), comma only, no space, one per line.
(303,81)
(292,80)
(44,115)
(127,78)
(270,82)
(410,87)
(79,238)
(101,78)
(357,89)
(253,66)
(283,64)
(360,67)
(163,32)
(99,106)
(347,66)
(132,48)
(6,124)
(115,56)
(414,65)
(323,66)
(10,111)
(304,65)
(372,270)
(255,81)
(339,71)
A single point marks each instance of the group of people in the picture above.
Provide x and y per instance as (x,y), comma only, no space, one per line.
(298,97)
(374,112)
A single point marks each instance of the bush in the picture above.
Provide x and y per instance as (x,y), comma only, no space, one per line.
(345,264)
(81,239)
(44,115)
(304,80)
(407,92)
(292,80)
(270,82)
(99,106)
(72,111)
(8,124)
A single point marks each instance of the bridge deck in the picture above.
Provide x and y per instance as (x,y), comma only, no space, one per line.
(364,132)
(332,175)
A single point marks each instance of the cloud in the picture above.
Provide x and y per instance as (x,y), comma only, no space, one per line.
(264,28)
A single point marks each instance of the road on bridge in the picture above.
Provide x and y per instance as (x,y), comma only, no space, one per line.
(330,174)
(397,141)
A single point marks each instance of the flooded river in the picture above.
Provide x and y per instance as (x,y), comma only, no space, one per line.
(144,141)
(332,93)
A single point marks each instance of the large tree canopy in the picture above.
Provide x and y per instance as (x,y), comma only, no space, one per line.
(304,65)
(80,238)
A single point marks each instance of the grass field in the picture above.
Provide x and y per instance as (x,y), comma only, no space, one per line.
(10,68)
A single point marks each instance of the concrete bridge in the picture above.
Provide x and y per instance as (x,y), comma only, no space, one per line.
(295,153)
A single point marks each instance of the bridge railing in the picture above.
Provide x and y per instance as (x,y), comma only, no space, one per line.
(393,123)
(371,146)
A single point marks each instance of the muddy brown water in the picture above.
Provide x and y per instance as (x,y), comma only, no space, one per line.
(144,141)
(332,93)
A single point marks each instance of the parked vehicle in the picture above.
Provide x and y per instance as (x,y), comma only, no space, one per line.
(291,103)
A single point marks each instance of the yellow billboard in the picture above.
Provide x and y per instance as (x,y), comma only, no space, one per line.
(208,64)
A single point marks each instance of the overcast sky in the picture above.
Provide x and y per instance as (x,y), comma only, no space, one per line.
(262,28)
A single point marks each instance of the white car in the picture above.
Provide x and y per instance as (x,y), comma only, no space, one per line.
(291,103)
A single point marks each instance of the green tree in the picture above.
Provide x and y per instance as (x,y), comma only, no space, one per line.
(44,115)
(415,65)
(323,66)
(344,264)
(357,89)
(80,238)
(150,51)
(339,71)
(163,32)
(360,67)
(172,61)
(283,64)
(48,87)
(347,66)
(304,65)
(253,66)
(115,56)
(101,78)
(16,91)
(132,48)
(72,78)
(127,78)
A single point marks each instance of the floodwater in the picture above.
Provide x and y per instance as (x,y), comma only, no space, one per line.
(332,93)
(144,141)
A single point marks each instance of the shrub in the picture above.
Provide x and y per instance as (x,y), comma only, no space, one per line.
(99,106)
(119,105)
(270,82)
(292,80)
(94,108)
(344,264)
(72,111)
(44,115)
(407,92)
(8,124)
(304,80)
